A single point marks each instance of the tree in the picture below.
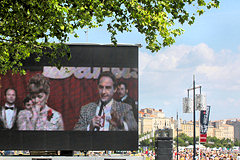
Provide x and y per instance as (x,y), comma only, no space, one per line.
(184,140)
(145,142)
(181,142)
(150,143)
(30,27)
(237,143)
(215,142)
(211,141)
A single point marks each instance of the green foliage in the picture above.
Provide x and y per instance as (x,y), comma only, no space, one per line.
(150,143)
(184,140)
(33,26)
(145,142)
(237,143)
(215,142)
(144,134)
(211,141)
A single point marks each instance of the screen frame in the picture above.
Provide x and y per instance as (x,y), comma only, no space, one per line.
(83,55)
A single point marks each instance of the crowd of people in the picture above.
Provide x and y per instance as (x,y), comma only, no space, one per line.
(205,154)
(209,154)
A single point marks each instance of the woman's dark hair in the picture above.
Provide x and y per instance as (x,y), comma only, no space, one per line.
(26,100)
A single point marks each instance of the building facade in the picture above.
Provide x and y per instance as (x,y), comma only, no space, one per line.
(236,124)
(151,120)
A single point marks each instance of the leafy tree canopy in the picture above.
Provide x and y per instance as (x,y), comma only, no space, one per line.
(31,26)
(211,141)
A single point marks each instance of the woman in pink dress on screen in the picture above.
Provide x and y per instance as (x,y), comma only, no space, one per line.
(47,118)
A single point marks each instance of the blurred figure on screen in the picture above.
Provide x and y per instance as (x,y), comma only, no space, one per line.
(27,117)
(47,118)
(122,91)
(106,114)
(8,112)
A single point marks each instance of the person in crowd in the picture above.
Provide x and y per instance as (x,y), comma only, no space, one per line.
(8,112)
(27,117)
(47,118)
(106,114)
(238,157)
(122,91)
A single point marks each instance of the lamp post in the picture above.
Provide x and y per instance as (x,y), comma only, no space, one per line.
(177,135)
(194,118)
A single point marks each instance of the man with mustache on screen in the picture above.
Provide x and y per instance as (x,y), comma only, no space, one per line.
(106,114)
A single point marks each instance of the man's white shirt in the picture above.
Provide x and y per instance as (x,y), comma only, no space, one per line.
(9,115)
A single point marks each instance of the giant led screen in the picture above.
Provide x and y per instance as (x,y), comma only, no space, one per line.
(91,103)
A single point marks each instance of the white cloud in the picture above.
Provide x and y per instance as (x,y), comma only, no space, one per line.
(176,57)
(225,75)
(203,52)
(165,76)
(179,62)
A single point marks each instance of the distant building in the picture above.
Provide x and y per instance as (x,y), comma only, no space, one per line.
(187,128)
(151,119)
(221,130)
(146,112)
(217,129)
(236,124)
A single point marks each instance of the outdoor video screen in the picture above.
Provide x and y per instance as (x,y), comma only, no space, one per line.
(91,103)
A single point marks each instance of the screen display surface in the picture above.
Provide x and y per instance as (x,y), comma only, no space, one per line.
(91,103)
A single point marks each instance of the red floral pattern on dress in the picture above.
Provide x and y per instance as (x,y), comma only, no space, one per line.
(49,115)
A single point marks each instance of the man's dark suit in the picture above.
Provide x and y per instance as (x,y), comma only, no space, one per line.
(3,119)
(131,102)
(89,111)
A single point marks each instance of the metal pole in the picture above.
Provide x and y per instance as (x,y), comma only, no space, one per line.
(199,135)
(177,135)
(194,122)
(199,128)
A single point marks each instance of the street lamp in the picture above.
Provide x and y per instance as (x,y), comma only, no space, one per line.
(187,105)
(177,135)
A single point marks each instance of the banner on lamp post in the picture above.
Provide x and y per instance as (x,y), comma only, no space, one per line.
(204,119)
(187,105)
(201,102)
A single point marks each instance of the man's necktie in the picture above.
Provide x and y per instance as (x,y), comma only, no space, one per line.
(101,109)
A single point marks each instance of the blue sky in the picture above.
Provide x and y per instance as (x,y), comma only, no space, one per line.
(209,49)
